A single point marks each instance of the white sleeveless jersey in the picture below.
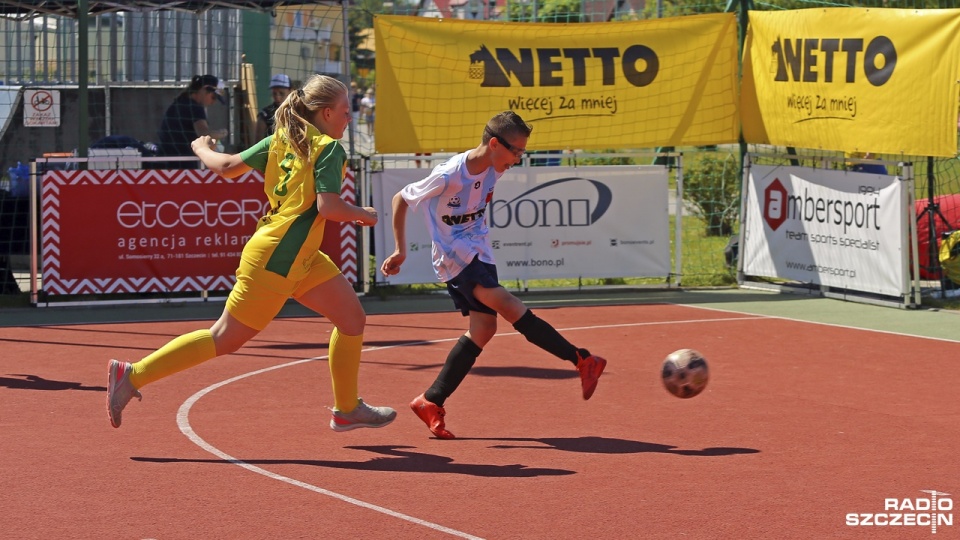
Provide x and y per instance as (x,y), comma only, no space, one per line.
(454,207)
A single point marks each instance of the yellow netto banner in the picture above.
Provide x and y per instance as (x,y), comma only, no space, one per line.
(853,79)
(632,84)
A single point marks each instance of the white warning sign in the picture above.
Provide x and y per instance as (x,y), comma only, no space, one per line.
(41,108)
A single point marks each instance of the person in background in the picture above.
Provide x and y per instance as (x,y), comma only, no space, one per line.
(303,166)
(423,154)
(368,106)
(453,200)
(279,89)
(356,96)
(186,119)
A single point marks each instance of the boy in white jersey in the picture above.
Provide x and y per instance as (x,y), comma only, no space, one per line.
(453,200)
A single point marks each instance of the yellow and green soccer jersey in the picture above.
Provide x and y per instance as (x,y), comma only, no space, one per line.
(290,234)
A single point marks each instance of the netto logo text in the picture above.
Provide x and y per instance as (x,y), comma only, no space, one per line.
(799,60)
(548,67)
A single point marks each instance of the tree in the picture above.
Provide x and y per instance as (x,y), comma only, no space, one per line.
(554,11)
(712,186)
(360,18)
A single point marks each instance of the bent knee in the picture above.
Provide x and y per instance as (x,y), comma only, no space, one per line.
(482,334)
(353,325)
(226,345)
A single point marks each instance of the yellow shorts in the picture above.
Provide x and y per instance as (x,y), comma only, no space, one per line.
(259,295)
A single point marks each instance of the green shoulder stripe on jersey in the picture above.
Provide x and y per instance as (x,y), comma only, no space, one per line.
(328,169)
(285,254)
(257,155)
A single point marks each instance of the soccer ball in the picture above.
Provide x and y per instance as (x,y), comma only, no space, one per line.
(685,373)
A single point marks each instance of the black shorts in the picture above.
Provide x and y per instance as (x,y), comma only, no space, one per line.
(461,287)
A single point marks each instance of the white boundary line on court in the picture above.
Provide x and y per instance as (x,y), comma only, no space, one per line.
(183,422)
(835,325)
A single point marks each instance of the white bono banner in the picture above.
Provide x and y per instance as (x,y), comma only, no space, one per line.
(551,222)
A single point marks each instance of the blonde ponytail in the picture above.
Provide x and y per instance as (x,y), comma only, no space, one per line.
(317,93)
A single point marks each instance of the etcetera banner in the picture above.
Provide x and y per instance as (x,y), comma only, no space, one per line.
(639,84)
(834,228)
(156,231)
(853,79)
(551,222)
(145,231)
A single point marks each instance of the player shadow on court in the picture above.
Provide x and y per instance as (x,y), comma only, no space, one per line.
(525,372)
(300,346)
(286,346)
(518,372)
(605,445)
(35,382)
(393,459)
(396,343)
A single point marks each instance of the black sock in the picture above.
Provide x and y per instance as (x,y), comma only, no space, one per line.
(458,364)
(540,333)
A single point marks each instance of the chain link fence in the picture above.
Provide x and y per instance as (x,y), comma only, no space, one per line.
(138,63)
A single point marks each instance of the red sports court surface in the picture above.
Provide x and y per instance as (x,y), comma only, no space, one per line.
(802,424)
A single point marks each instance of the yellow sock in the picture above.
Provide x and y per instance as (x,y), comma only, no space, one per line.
(345,369)
(181,353)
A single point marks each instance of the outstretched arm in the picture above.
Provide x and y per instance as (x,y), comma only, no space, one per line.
(227,165)
(331,206)
(391,265)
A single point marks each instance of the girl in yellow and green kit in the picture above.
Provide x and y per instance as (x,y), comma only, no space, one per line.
(303,165)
